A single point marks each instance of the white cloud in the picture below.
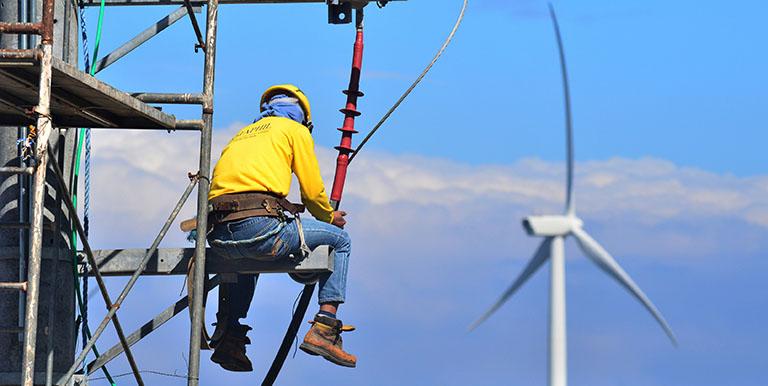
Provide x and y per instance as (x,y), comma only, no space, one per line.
(138,176)
(648,189)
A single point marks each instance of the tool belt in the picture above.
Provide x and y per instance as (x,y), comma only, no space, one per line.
(237,206)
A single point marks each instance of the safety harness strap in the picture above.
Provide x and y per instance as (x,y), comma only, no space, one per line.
(305,251)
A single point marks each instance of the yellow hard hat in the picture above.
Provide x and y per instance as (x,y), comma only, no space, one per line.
(291,90)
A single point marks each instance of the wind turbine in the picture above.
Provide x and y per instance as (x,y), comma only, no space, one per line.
(555,229)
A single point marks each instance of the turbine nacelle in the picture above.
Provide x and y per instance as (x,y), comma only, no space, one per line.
(549,226)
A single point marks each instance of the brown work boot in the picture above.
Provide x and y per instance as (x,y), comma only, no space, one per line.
(324,339)
(229,352)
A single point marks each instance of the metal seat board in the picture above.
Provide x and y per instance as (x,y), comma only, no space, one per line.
(175,261)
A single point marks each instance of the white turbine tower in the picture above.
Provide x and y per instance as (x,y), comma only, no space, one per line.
(555,229)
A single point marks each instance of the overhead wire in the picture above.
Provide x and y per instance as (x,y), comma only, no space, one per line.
(414,84)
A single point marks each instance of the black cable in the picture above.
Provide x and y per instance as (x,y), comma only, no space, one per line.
(414,84)
(290,334)
(293,312)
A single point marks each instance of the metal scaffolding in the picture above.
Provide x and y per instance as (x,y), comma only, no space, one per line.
(39,89)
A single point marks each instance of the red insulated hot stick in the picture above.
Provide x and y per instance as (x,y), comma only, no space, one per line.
(350,113)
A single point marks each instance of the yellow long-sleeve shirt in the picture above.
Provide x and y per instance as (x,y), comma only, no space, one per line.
(261,157)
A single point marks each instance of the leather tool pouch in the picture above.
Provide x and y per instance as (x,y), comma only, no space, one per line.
(237,206)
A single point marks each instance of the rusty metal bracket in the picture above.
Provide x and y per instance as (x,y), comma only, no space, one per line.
(21,28)
(33,55)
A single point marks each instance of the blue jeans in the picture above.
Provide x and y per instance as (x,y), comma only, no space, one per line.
(272,238)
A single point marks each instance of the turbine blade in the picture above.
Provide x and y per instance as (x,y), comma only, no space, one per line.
(539,258)
(603,259)
(569,204)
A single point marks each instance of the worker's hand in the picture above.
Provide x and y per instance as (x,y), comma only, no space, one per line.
(338,218)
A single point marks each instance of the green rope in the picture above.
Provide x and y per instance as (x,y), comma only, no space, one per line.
(78,157)
(98,37)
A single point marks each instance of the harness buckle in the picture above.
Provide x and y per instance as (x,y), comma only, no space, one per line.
(265,205)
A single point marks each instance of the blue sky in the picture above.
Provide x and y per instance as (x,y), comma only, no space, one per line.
(649,78)
(671,178)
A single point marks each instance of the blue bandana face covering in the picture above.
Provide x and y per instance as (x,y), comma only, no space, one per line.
(282,105)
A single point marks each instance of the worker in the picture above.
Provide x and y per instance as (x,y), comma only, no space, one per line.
(249,221)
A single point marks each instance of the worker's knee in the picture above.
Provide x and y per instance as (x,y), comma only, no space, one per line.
(344,241)
(319,233)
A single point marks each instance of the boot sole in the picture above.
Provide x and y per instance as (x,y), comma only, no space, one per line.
(232,366)
(318,351)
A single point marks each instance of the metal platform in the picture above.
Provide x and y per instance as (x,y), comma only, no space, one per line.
(123,262)
(77,100)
